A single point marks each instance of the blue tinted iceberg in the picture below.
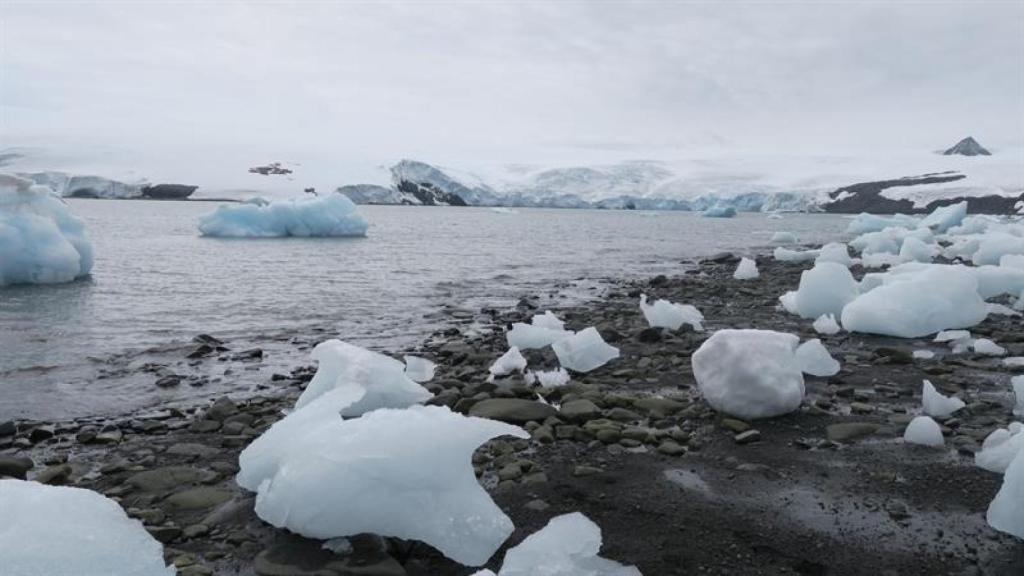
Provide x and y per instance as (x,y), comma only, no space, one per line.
(41,242)
(330,215)
(63,531)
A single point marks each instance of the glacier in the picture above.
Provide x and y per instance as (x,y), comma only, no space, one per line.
(41,241)
(331,215)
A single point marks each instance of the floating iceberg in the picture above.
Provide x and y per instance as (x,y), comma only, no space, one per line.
(815,360)
(552,378)
(1006,512)
(937,405)
(924,431)
(568,546)
(41,242)
(509,362)
(750,373)
(783,237)
(329,215)
(824,289)
(382,378)
(665,314)
(584,351)
(1000,448)
(63,531)
(418,369)
(746,270)
(720,211)
(402,473)
(826,324)
(914,305)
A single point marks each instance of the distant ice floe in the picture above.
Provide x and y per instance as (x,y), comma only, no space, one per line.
(720,211)
(331,215)
(41,242)
(64,531)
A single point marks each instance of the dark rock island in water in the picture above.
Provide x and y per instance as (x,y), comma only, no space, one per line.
(168,191)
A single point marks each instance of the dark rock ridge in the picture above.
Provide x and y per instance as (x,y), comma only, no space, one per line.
(168,191)
(430,195)
(274,168)
(968,147)
(867,197)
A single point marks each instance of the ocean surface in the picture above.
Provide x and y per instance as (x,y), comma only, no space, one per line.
(94,347)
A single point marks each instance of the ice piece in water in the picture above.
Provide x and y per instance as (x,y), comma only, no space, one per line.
(530,336)
(749,373)
(383,378)
(835,252)
(1017,382)
(937,405)
(547,320)
(584,351)
(945,217)
(815,360)
(916,250)
(41,241)
(924,354)
(64,531)
(925,431)
(402,473)
(720,211)
(864,223)
(786,255)
(824,289)
(746,270)
(261,459)
(419,369)
(568,546)
(1000,448)
(912,305)
(327,215)
(783,237)
(826,324)
(665,314)
(511,361)
(1006,512)
(552,378)
(988,347)
(952,335)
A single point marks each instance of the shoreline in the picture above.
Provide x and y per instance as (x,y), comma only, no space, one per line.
(675,487)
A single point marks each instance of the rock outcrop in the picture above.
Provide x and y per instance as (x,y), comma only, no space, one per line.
(967,147)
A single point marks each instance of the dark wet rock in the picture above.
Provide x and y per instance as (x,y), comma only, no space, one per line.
(583,470)
(111,436)
(659,280)
(201,351)
(168,381)
(671,448)
(846,431)
(165,479)
(204,426)
(889,355)
(309,558)
(42,432)
(164,534)
(15,466)
(191,449)
(620,414)
(54,475)
(200,498)
(737,426)
(208,340)
(579,410)
(221,409)
(512,410)
(8,428)
(650,335)
(250,354)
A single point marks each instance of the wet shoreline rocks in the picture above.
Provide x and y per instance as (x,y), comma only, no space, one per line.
(675,486)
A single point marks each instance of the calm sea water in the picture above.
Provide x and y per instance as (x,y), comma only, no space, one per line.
(80,348)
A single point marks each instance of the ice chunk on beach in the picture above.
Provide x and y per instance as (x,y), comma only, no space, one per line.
(1014,362)
(552,378)
(945,217)
(915,250)
(402,473)
(547,320)
(864,223)
(988,348)
(1006,512)
(419,369)
(952,335)
(509,362)
(720,211)
(917,304)
(63,531)
(584,351)
(382,378)
(327,215)
(786,255)
(261,459)
(749,373)
(824,289)
(925,431)
(826,324)
(543,330)
(1000,448)
(783,237)
(835,252)
(924,354)
(815,360)
(995,245)
(665,314)
(41,242)
(567,546)
(746,270)
(936,404)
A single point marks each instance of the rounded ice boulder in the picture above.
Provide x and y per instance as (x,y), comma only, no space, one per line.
(925,431)
(750,373)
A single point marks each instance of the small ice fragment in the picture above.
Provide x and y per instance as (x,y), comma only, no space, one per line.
(925,431)
(825,289)
(584,351)
(530,336)
(340,546)
(924,354)
(1000,447)
(826,324)
(547,320)
(815,360)
(665,314)
(988,348)
(567,546)
(419,369)
(746,270)
(937,405)
(783,237)
(552,378)
(951,335)
(786,255)
(1013,361)
(511,361)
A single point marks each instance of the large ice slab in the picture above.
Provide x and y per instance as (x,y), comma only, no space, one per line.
(1006,512)
(41,242)
(1000,448)
(750,373)
(584,351)
(403,473)
(543,330)
(63,531)
(328,215)
(383,379)
(665,314)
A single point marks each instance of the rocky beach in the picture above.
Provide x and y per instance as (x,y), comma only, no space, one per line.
(676,487)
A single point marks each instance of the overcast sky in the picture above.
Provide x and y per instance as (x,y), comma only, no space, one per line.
(194,90)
